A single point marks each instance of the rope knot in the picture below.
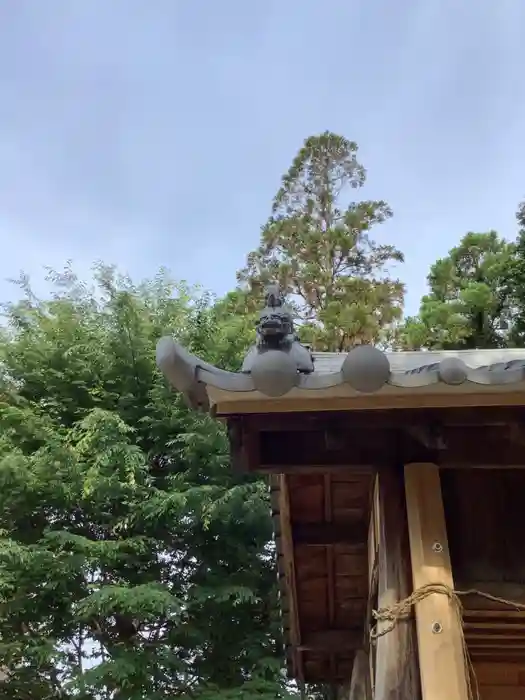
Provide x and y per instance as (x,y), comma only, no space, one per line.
(390,616)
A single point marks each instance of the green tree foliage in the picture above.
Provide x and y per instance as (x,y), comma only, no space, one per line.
(469,304)
(133,563)
(520,216)
(236,314)
(516,281)
(318,246)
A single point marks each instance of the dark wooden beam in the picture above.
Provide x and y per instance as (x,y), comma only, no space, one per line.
(457,447)
(354,448)
(315,468)
(244,445)
(394,418)
(329,641)
(429,436)
(325,534)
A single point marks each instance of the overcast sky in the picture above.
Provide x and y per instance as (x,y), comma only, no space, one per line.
(155,132)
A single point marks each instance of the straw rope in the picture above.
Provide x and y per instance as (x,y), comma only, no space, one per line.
(391,615)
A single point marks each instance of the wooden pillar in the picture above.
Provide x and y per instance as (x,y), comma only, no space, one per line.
(441,662)
(289,575)
(360,686)
(396,671)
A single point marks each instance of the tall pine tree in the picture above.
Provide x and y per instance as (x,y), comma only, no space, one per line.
(317,244)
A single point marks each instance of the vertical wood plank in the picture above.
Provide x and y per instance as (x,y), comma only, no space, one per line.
(373,528)
(441,662)
(330,562)
(396,671)
(373,547)
(360,686)
(289,574)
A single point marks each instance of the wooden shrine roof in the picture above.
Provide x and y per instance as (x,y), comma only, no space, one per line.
(291,379)
(492,378)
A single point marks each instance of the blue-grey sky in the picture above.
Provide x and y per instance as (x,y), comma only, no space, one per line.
(155,132)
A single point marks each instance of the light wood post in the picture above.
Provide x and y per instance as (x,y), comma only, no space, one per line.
(396,672)
(360,687)
(441,661)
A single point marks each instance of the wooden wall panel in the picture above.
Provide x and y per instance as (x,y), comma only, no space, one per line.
(500,692)
(500,681)
(500,674)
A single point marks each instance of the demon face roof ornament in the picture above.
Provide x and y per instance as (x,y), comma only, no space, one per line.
(276,334)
